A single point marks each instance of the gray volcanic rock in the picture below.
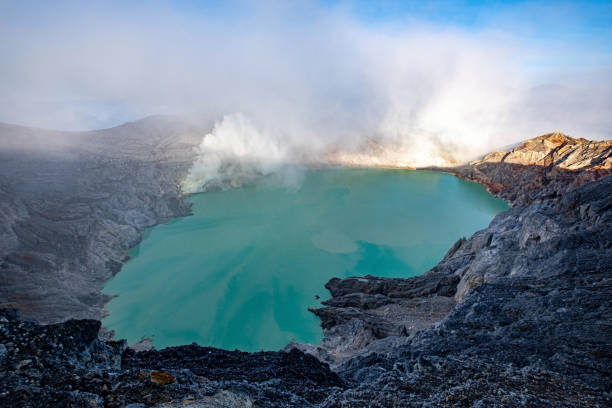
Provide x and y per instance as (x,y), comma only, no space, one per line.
(66,364)
(72,204)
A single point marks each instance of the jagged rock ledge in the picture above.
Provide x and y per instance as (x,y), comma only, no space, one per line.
(66,364)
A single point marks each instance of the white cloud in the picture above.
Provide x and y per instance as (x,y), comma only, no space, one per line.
(305,80)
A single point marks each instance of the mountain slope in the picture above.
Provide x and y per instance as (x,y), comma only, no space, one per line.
(74,203)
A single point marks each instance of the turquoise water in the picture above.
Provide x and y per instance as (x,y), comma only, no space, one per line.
(242,271)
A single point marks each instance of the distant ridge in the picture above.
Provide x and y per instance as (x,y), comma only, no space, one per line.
(556,149)
(546,165)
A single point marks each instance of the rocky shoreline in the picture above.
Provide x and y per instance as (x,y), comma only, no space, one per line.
(371,314)
(519,314)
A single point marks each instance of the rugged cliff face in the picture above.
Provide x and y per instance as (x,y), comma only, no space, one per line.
(66,364)
(517,314)
(72,204)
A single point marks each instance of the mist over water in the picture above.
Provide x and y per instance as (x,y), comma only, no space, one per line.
(236,153)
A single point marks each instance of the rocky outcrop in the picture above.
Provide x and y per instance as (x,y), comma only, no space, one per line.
(366,314)
(542,167)
(66,364)
(72,204)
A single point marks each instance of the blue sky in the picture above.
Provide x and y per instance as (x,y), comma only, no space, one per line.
(575,34)
(561,19)
(581,29)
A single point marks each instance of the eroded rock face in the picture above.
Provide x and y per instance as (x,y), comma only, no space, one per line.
(556,150)
(72,204)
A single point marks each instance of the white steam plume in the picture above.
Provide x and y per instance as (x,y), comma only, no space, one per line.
(235,153)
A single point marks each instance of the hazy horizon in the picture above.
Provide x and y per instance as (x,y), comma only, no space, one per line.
(391,82)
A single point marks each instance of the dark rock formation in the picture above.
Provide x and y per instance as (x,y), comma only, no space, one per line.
(66,364)
(72,204)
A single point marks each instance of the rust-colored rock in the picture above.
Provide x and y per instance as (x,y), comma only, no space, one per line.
(162,378)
